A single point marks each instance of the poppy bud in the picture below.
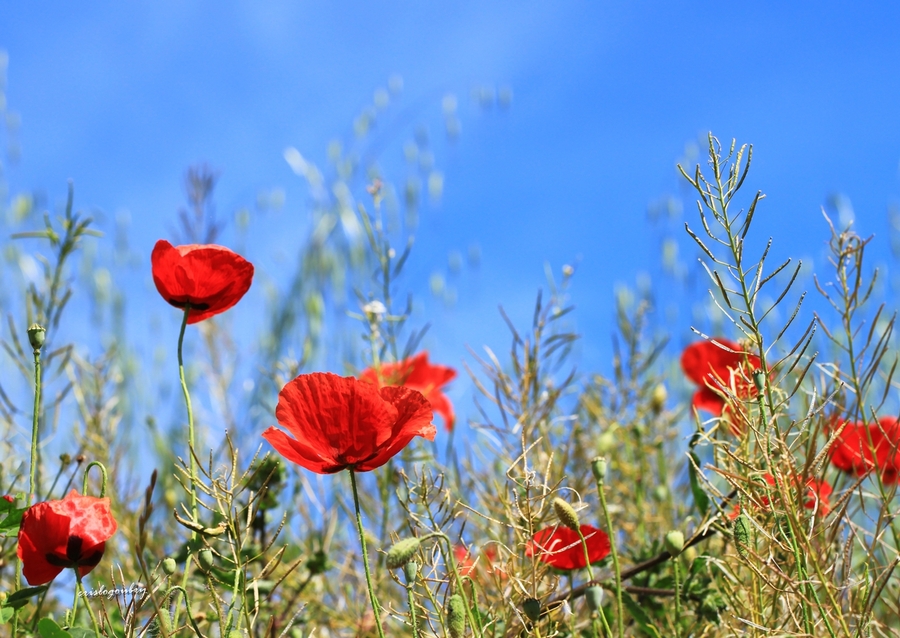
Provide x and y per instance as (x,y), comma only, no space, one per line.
(658,398)
(456,616)
(532,609)
(566,514)
(594,595)
(674,542)
(205,558)
(65,458)
(598,467)
(741,535)
(169,566)
(36,336)
(402,552)
(411,569)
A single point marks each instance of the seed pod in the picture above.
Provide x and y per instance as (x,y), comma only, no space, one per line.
(594,595)
(402,552)
(411,569)
(169,566)
(205,558)
(742,535)
(456,616)
(566,514)
(36,336)
(674,542)
(532,609)
(598,467)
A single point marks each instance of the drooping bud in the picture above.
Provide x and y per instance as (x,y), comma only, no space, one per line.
(674,542)
(402,552)
(598,467)
(532,609)
(169,566)
(594,595)
(456,616)
(36,336)
(165,620)
(205,558)
(566,514)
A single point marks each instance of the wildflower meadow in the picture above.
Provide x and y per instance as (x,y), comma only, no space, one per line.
(742,485)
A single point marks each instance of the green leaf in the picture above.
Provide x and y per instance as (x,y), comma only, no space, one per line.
(700,497)
(6,614)
(21,597)
(48,628)
(79,632)
(12,520)
(639,615)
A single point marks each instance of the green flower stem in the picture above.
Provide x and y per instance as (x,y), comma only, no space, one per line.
(193,462)
(410,597)
(620,625)
(87,470)
(474,618)
(190,414)
(677,574)
(187,607)
(79,592)
(590,571)
(376,608)
(32,485)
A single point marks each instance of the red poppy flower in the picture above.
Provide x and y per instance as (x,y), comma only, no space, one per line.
(862,448)
(711,367)
(341,422)
(418,374)
(817,495)
(10,498)
(208,277)
(56,535)
(560,547)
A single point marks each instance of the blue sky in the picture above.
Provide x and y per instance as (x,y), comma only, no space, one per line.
(607,96)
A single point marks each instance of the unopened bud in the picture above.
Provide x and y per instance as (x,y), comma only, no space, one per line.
(402,552)
(169,566)
(165,620)
(594,595)
(674,542)
(598,467)
(36,336)
(658,398)
(456,616)
(566,514)
(532,609)
(205,558)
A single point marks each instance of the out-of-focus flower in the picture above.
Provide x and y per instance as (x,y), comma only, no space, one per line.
(340,422)
(417,373)
(467,564)
(56,535)
(560,547)
(862,448)
(817,493)
(208,278)
(712,367)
